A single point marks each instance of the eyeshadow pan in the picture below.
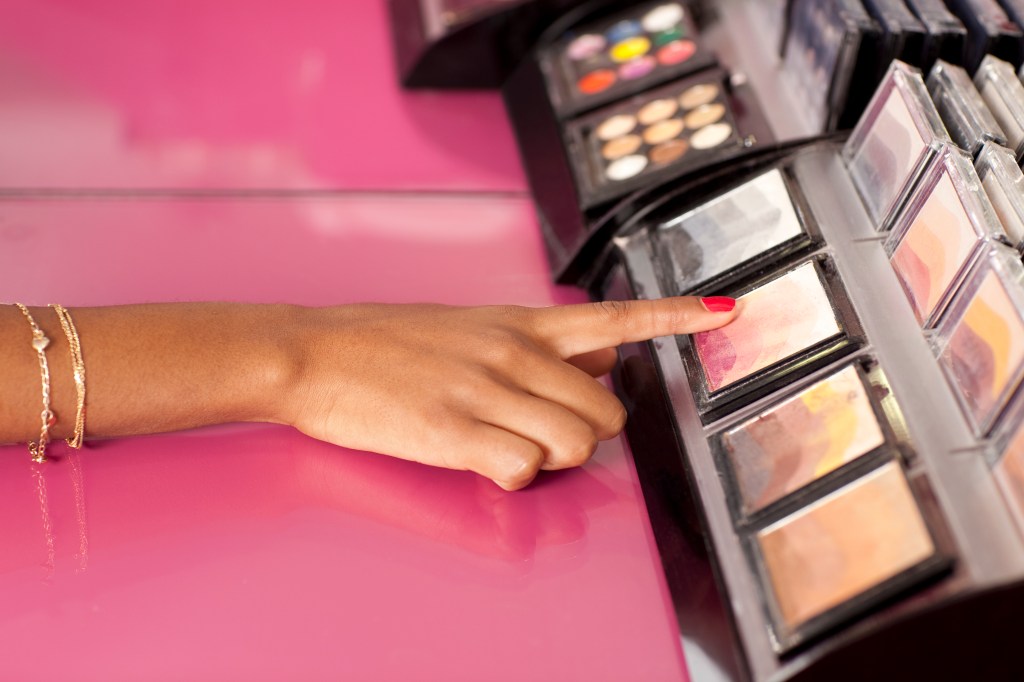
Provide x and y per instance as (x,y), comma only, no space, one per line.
(730,230)
(663,131)
(585,47)
(657,110)
(985,353)
(934,249)
(631,48)
(676,52)
(663,17)
(624,30)
(637,68)
(777,321)
(626,167)
(843,545)
(711,136)
(668,152)
(597,81)
(621,146)
(802,439)
(698,95)
(614,126)
(705,114)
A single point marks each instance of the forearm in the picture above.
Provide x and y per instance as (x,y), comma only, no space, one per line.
(149,368)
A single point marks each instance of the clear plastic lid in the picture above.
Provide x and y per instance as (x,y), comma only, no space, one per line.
(1003,92)
(1003,182)
(893,142)
(963,111)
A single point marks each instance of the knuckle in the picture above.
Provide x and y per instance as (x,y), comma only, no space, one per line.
(615,311)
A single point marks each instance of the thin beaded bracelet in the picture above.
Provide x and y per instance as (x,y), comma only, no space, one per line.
(39,344)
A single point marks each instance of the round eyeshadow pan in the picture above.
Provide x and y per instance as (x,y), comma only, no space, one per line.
(626,167)
(637,68)
(705,114)
(621,146)
(585,47)
(669,36)
(628,49)
(664,131)
(663,17)
(615,126)
(657,110)
(596,81)
(677,52)
(698,94)
(623,31)
(669,151)
(711,136)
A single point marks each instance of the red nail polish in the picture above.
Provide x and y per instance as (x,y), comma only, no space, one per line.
(718,304)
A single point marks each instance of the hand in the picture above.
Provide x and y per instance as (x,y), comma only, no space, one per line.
(504,391)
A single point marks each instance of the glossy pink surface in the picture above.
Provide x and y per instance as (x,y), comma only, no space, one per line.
(252,552)
(227,95)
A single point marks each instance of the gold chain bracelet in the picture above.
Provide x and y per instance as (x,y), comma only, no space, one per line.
(78,367)
(39,344)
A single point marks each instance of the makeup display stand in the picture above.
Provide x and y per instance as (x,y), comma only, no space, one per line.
(942,613)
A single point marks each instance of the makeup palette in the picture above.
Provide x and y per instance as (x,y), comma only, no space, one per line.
(981,345)
(621,55)
(686,123)
(966,117)
(892,142)
(1004,94)
(783,321)
(802,439)
(742,228)
(940,233)
(815,561)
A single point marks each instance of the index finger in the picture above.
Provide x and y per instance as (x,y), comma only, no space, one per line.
(575,329)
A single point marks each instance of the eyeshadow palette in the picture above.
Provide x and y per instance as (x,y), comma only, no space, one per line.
(745,227)
(963,111)
(989,31)
(892,142)
(619,148)
(805,439)
(788,325)
(945,35)
(981,345)
(621,55)
(818,568)
(1003,183)
(1004,94)
(939,234)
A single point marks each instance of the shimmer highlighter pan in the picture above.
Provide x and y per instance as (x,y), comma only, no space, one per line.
(981,343)
(820,429)
(731,230)
(859,539)
(771,328)
(892,142)
(622,55)
(939,234)
(681,123)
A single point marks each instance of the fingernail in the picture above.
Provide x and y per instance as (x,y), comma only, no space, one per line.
(718,304)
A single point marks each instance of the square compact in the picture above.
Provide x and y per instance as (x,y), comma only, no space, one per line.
(989,31)
(790,323)
(980,345)
(824,56)
(893,142)
(1003,92)
(945,34)
(843,554)
(940,232)
(1003,183)
(803,442)
(620,148)
(740,230)
(614,57)
(963,111)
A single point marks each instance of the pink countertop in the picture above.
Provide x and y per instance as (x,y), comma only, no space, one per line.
(229,95)
(251,552)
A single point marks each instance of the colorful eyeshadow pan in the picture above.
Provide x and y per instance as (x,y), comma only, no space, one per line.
(652,41)
(668,130)
(888,156)
(730,230)
(934,249)
(777,321)
(804,438)
(985,353)
(843,545)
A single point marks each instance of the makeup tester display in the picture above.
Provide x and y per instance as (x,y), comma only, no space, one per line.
(851,441)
